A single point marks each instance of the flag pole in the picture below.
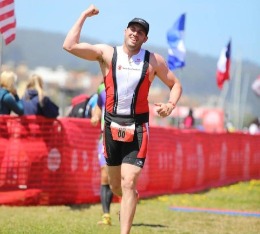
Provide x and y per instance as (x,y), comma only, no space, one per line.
(223,78)
(223,95)
(244,98)
(236,97)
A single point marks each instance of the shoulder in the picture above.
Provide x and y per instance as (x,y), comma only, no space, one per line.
(158,64)
(105,55)
(7,96)
(45,98)
(106,50)
(157,59)
(3,92)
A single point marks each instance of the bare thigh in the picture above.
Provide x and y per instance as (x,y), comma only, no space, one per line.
(130,174)
(114,177)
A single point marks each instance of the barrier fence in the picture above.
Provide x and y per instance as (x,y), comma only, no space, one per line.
(54,162)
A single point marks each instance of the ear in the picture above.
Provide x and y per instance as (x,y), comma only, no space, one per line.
(145,40)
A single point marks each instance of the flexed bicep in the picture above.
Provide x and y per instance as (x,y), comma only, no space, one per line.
(72,42)
(87,51)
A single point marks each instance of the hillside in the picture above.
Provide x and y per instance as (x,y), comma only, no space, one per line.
(37,48)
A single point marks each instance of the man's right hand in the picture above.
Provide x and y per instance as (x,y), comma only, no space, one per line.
(92,10)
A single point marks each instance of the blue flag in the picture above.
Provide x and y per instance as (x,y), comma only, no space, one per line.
(176,51)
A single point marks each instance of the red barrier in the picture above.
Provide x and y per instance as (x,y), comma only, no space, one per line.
(54,162)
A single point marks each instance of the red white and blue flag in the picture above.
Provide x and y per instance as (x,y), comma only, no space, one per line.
(7,20)
(223,65)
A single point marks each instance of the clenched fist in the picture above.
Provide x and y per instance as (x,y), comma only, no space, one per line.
(92,10)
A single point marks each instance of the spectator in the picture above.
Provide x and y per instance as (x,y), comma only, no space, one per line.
(189,121)
(106,194)
(83,106)
(36,102)
(9,100)
(91,105)
(78,106)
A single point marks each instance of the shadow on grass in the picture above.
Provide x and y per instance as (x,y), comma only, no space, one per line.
(149,225)
(79,207)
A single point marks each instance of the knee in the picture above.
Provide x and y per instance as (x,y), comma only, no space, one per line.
(128,184)
(116,189)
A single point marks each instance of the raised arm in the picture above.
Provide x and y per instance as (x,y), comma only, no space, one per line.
(83,50)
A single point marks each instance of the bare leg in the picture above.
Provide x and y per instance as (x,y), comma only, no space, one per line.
(130,174)
(114,177)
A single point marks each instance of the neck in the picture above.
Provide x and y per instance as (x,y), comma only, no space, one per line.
(130,51)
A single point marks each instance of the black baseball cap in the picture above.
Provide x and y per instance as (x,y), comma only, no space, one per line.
(140,21)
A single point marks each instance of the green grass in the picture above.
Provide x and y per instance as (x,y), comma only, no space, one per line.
(152,216)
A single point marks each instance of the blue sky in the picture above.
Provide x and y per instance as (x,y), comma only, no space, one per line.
(209,23)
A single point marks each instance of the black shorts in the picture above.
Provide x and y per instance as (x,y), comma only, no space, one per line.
(118,152)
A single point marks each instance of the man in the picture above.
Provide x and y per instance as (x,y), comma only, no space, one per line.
(128,72)
(106,194)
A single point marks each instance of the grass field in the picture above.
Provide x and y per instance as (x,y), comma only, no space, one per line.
(152,216)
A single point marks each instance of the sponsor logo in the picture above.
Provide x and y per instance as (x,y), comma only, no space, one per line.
(54,159)
(139,162)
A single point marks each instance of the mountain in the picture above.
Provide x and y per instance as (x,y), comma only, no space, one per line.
(38,48)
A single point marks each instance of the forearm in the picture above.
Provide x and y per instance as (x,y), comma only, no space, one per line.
(175,94)
(82,50)
(73,36)
(165,109)
(96,115)
(16,106)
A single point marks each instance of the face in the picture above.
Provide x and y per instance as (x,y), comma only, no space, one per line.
(135,36)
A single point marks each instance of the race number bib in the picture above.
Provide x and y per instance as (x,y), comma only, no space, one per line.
(122,133)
